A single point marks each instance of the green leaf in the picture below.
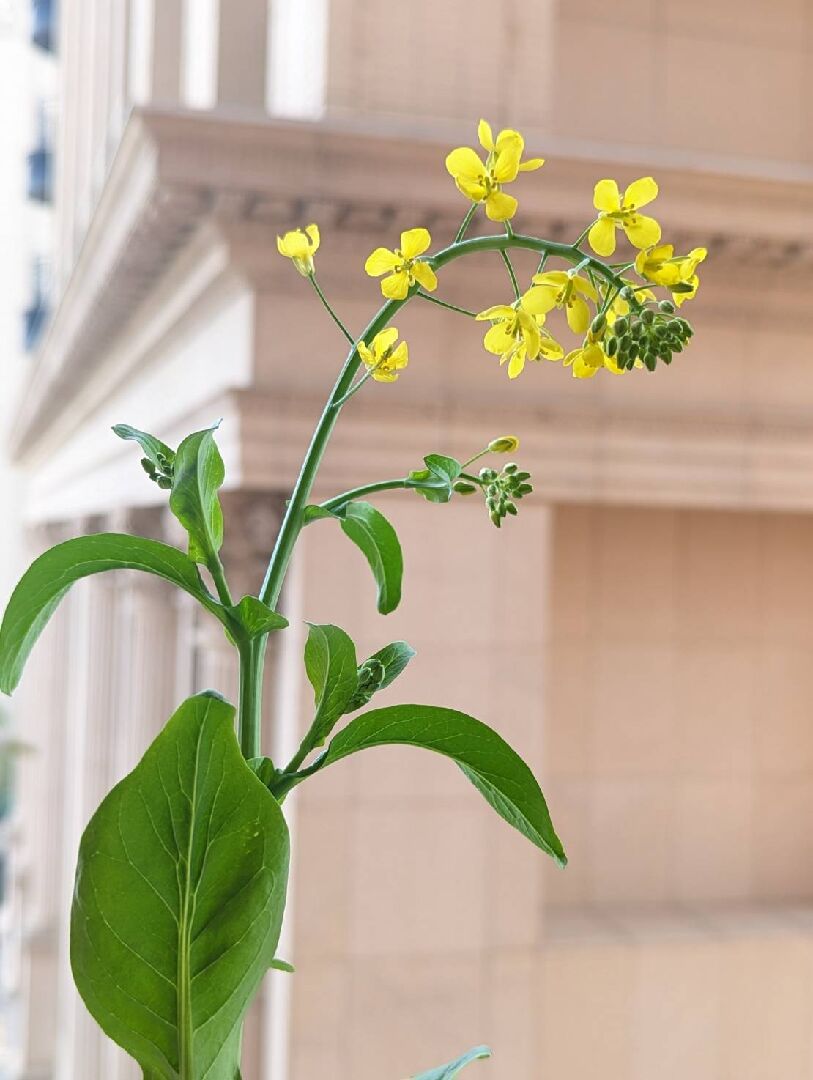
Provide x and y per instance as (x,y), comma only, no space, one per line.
(436,480)
(497,771)
(156,451)
(256,617)
(375,537)
(49,577)
(179,895)
(330,662)
(316,513)
(446,1072)
(197,477)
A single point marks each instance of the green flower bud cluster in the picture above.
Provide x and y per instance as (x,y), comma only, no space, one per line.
(161,473)
(649,334)
(370,677)
(503,490)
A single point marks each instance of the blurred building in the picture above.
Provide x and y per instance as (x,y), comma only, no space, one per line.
(642,633)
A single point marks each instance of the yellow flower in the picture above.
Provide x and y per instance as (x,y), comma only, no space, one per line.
(402,266)
(383,357)
(615,213)
(300,245)
(590,358)
(559,289)
(658,264)
(517,335)
(483,183)
(688,275)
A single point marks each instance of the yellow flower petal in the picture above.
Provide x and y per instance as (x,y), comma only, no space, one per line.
(517,363)
(540,299)
(384,374)
(578,315)
(381,261)
(550,348)
(497,311)
(640,192)
(472,189)
(425,275)
(602,237)
(606,196)
(582,285)
(396,286)
(531,164)
(313,234)
(498,340)
(500,207)
(384,340)
(641,230)
(485,136)
(507,157)
(400,357)
(414,242)
(294,245)
(366,355)
(464,164)
(556,278)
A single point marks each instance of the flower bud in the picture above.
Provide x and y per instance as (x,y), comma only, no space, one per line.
(463,487)
(505,444)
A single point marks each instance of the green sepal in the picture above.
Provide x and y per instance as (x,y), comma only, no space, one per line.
(498,772)
(47,580)
(282,965)
(452,1068)
(192,848)
(435,482)
(161,455)
(255,617)
(197,477)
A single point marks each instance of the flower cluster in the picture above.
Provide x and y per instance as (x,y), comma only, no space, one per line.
(501,490)
(612,308)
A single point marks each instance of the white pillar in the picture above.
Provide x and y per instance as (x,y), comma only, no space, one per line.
(225,48)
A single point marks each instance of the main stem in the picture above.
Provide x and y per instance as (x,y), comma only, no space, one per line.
(252,662)
(292,522)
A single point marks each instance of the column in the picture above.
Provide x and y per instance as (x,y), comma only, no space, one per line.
(154,61)
(225,50)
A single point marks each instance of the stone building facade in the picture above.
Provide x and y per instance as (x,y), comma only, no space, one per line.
(642,633)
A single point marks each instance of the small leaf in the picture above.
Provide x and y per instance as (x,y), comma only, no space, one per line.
(49,577)
(179,895)
(375,537)
(316,513)
(282,965)
(156,451)
(378,671)
(330,662)
(264,769)
(497,771)
(447,1072)
(197,477)
(436,480)
(256,617)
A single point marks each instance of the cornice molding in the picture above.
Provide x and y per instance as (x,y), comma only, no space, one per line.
(175,171)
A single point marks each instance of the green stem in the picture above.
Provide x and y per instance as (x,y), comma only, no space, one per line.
(252,661)
(461,232)
(330,311)
(359,492)
(510,268)
(421,295)
(292,522)
(219,578)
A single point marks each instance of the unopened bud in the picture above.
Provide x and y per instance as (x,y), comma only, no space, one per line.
(505,444)
(463,487)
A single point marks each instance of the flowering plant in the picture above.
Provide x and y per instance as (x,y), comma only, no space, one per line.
(182,871)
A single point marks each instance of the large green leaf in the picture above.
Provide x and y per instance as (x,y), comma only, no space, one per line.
(450,1070)
(49,577)
(197,477)
(497,771)
(375,537)
(179,895)
(331,666)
